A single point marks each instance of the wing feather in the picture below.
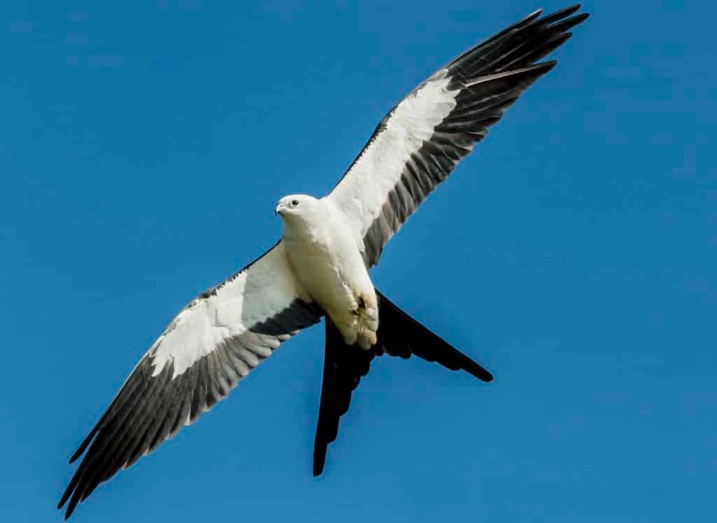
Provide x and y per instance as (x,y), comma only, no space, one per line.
(421,140)
(205,351)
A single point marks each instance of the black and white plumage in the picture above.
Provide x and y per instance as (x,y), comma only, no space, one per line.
(216,340)
(320,266)
(419,142)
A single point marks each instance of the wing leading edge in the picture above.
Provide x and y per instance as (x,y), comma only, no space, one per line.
(215,341)
(421,140)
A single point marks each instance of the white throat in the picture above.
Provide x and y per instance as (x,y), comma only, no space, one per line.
(310,224)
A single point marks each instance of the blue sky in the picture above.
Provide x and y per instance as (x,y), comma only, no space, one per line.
(142,148)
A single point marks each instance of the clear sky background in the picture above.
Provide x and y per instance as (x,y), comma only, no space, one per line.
(143,146)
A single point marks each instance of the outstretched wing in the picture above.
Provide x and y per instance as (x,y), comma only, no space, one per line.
(345,365)
(214,342)
(421,140)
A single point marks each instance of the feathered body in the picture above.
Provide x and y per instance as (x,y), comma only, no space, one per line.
(326,259)
(320,267)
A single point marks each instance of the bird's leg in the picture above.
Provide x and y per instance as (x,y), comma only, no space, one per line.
(367,323)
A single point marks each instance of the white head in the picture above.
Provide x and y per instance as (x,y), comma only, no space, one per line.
(299,210)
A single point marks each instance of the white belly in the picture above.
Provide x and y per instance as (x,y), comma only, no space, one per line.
(331,270)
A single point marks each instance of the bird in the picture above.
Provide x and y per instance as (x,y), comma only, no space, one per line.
(319,268)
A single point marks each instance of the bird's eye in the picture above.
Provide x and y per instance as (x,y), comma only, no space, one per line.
(294,202)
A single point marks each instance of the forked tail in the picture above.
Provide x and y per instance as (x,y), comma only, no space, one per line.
(345,365)
(400,335)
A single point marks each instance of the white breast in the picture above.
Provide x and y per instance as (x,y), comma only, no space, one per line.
(326,259)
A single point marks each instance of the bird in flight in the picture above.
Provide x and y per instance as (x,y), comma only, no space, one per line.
(320,266)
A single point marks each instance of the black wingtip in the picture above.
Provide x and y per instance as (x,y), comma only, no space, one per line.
(546,66)
(70,507)
(76,455)
(85,443)
(64,498)
(562,13)
(578,19)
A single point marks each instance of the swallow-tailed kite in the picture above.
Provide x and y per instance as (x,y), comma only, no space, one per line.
(320,266)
